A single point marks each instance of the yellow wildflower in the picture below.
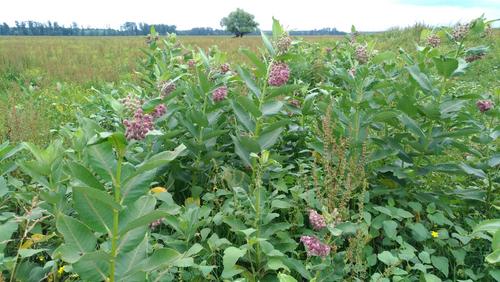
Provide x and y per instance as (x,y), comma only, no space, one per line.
(434,234)
(158,189)
(60,270)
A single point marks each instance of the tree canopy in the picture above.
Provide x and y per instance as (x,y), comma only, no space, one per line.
(239,23)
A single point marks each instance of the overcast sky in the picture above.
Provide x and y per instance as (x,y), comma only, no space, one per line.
(366,15)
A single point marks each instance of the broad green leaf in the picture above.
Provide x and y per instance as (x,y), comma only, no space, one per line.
(268,44)
(491,226)
(243,146)
(102,160)
(129,240)
(85,176)
(390,227)
(258,63)
(272,108)
(420,78)
(411,125)
(472,171)
(76,233)
(268,138)
(144,220)
(126,263)
(286,278)
(441,263)
(431,278)
(97,215)
(249,105)
(388,258)
(3,187)
(93,266)
(136,186)
(243,117)
(231,256)
(26,253)
(161,159)
(277,29)
(494,257)
(99,196)
(161,258)
(445,66)
(249,81)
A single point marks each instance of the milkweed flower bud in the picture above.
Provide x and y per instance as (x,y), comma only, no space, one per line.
(166,88)
(279,75)
(484,105)
(159,111)
(155,224)
(295,103)
(362,54)
(317,221)
(314,247)
(224,68)
(459,32)
(219,94)
(283,44)
(131,103)
(191,63)
(433,40)
(137,128)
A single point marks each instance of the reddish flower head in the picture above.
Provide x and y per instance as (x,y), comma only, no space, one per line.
(224,68)
(314,247)
(159,111)
(484,105)
(433,40)
(137,128)
(279,75)
(219,94)
(317,221)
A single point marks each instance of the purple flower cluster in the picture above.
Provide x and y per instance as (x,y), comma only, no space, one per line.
(224,68)
(279,75)
(131,103)
(159,111)
(317,221)
(459,32)
(137,128)
(166,88)
(484,105)
(283,44)
(472,58)
(433,40)
(314,247)
(362,54)
(219,94)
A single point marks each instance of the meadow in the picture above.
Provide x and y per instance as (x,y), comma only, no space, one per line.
(366,157)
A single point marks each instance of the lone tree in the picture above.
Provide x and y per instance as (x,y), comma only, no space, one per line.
(239,22)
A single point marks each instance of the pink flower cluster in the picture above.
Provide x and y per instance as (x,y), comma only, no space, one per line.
(166,88)
(159,111)
(295,103)
(131,103)
(459,32)
(191,63)
(314,247)
(433,40)
(219,94)
(224,68)
(279,75)
(137,128)
(362,54)
(317,221)
(484,105)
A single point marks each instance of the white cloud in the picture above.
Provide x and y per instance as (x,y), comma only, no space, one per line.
(185,14)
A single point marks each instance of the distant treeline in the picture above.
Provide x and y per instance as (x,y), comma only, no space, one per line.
(127,29)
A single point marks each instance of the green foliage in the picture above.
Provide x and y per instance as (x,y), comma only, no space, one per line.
(377,170)
(239,22)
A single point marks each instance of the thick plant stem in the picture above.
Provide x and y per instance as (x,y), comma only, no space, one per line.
(114,236)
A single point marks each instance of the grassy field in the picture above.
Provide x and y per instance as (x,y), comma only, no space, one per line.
(43,78)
